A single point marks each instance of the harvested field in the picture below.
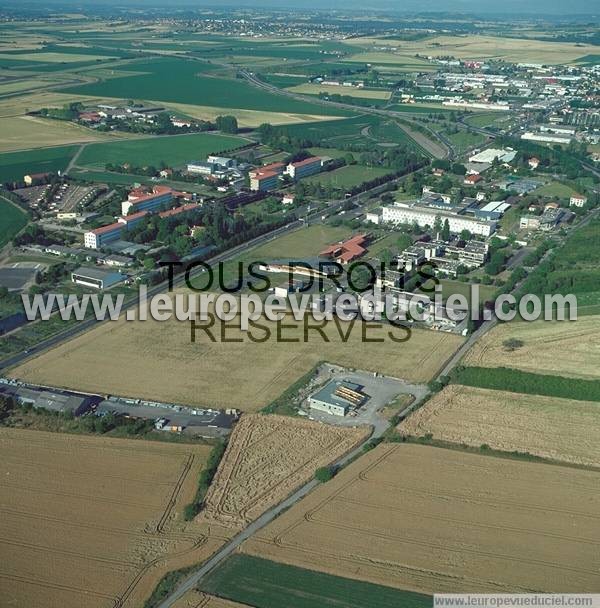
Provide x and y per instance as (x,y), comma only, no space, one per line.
(163,364)
(94,518)
(197,599)
(267,458)
(430,520)
(561,348)
(24,132)
(219,373)
(560,429)
(473,47)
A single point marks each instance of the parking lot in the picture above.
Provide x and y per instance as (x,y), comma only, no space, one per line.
(20,275)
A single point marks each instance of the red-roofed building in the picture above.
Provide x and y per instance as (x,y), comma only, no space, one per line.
(95,239)
(303,168)
(160,197)
(90,117)
(133,219)
(266,178)
(347,251)
(178,210)
(471,180)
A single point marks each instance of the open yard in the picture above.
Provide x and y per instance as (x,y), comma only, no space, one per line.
(347,177)
(173,150)
(560,429)
(267,458)
(94,521)
(161,362)
(562,348)
(429,520)
(555,189)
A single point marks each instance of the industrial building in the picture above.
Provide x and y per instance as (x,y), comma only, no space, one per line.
(99,279)
(338,398)
(197,167)
(492,154)
(423,215)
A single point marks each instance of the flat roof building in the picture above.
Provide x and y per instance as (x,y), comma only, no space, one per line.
(94,277)
(402,213)
(161,197)
(95,239)
(304,168)
(337,398)
(266,178)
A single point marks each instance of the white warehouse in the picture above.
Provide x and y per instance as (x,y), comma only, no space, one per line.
(402,213)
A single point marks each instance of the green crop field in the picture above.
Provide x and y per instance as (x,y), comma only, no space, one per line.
(179,80)
(173,150)
(347,177)
(266,584)
(516,381)
(14,165)
(13,220)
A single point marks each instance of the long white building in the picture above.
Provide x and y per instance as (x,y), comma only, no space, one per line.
(403,213)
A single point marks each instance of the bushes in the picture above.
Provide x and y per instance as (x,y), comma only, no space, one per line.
(206,476)
(324,474)
(514,380)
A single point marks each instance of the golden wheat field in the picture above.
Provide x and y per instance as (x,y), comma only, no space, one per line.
(565,348)
(267,458)
(431,520)
(157,361)
(197,599)
(559,429)
(94,521)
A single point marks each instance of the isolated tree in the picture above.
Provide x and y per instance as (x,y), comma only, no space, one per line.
(324,474)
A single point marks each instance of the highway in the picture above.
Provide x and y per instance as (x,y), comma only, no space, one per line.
(444,149)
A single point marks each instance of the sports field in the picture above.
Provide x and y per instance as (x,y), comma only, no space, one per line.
(266,584)
(94,518)
(562,348)
(14,165)
(559,429)
(430,520)
(173,150)
(315,89)
(13,220)
(163,364)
